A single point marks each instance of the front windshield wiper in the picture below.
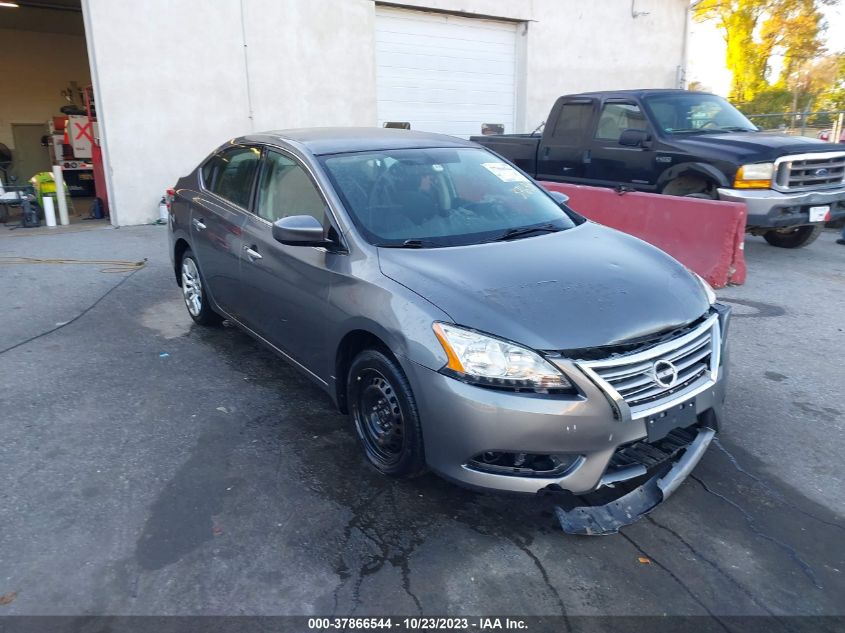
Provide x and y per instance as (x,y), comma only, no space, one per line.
(695,130)
(408,244)
(738,128)
(511,234)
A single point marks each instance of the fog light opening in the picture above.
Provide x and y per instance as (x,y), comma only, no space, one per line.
(522,464)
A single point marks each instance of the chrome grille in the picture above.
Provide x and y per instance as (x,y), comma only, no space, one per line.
(810,171)
(631,377)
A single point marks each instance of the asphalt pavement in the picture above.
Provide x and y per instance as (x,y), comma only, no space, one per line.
(151,466)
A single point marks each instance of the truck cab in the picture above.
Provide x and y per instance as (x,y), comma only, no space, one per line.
(684,143)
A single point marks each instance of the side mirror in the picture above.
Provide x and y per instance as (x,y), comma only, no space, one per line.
(634,138)
(559,197)
(299,230)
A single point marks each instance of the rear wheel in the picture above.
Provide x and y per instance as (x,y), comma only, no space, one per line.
(193,291)
(793,237)
(384,414)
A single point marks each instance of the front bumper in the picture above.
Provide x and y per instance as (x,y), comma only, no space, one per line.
(461,421)
(768,208)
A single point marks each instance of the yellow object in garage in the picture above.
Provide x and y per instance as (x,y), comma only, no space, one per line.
(44,184)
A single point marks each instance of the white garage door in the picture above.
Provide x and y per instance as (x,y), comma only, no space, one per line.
(445,73)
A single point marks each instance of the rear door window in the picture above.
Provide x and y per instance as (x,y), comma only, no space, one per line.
(230,174)
(573,120)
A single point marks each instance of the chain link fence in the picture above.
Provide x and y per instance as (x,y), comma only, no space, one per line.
(827,126)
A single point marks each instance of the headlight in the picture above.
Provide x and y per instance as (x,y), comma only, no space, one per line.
(492,362)
(756,176)
(708,290)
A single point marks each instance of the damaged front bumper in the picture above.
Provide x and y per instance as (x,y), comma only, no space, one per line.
(607,518)
(618,405)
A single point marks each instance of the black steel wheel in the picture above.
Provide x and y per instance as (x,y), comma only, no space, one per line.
(793,238)
(384,414)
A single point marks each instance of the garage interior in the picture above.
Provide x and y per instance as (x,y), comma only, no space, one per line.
(43,114)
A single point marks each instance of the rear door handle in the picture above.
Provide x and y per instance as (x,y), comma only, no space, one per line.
(252,253)
(199,225)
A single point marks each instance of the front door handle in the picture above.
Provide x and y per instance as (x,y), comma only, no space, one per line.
(199,225)
(252,253)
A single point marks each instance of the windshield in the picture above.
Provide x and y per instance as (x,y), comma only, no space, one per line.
(419,198)
(696,113)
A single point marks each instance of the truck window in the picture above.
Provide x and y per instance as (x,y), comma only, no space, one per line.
(616,118)
(573,119)
(696,113)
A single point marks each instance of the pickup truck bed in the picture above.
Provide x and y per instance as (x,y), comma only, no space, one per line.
(520,149)
(682,143)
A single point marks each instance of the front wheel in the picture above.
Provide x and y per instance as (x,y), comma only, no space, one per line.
(384,414)
(793,237)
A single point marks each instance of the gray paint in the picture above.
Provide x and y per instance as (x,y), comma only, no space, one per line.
(580,288)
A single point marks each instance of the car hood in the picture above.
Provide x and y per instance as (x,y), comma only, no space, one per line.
(755,146)
(584,287)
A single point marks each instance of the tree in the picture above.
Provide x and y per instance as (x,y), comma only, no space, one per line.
(757,31)
(834,97)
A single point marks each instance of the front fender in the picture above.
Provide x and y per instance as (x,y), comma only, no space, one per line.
(394,314)
(702,169)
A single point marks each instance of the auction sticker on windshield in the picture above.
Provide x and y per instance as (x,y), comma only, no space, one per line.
(504,172)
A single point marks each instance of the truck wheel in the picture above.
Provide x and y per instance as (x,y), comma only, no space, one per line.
(691,187)
(795,237)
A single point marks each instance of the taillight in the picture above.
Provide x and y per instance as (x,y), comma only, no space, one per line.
(170,197)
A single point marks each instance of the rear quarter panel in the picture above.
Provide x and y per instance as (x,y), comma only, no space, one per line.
(180,212)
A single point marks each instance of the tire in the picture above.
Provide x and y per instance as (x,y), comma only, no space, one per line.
(794,238)
(384,415)
(193,292)
(690,187)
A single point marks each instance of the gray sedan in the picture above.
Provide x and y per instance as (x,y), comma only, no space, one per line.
(468,321)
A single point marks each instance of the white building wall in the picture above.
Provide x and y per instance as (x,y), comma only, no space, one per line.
(172,83)
(578,46)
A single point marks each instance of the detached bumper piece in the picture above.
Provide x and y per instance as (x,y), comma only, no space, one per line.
(607,518)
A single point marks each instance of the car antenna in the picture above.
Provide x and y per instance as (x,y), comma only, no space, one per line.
(538,128)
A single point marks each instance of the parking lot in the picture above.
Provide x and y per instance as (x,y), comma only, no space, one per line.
(150,466)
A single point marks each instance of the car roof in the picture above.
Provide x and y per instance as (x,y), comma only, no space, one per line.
(640,92)
(336,140)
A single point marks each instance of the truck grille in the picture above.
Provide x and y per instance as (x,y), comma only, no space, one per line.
(654,378)
(810,171)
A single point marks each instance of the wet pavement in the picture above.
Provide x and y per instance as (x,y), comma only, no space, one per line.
(150,466)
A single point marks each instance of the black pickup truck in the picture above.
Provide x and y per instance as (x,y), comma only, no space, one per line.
(684,143)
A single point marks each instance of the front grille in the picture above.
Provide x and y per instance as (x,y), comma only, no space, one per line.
(810,171)
(634,376)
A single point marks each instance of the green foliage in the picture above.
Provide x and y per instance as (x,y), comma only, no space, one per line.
(769,100)
(759,31)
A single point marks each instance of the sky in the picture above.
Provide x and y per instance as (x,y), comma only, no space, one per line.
(707,50)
